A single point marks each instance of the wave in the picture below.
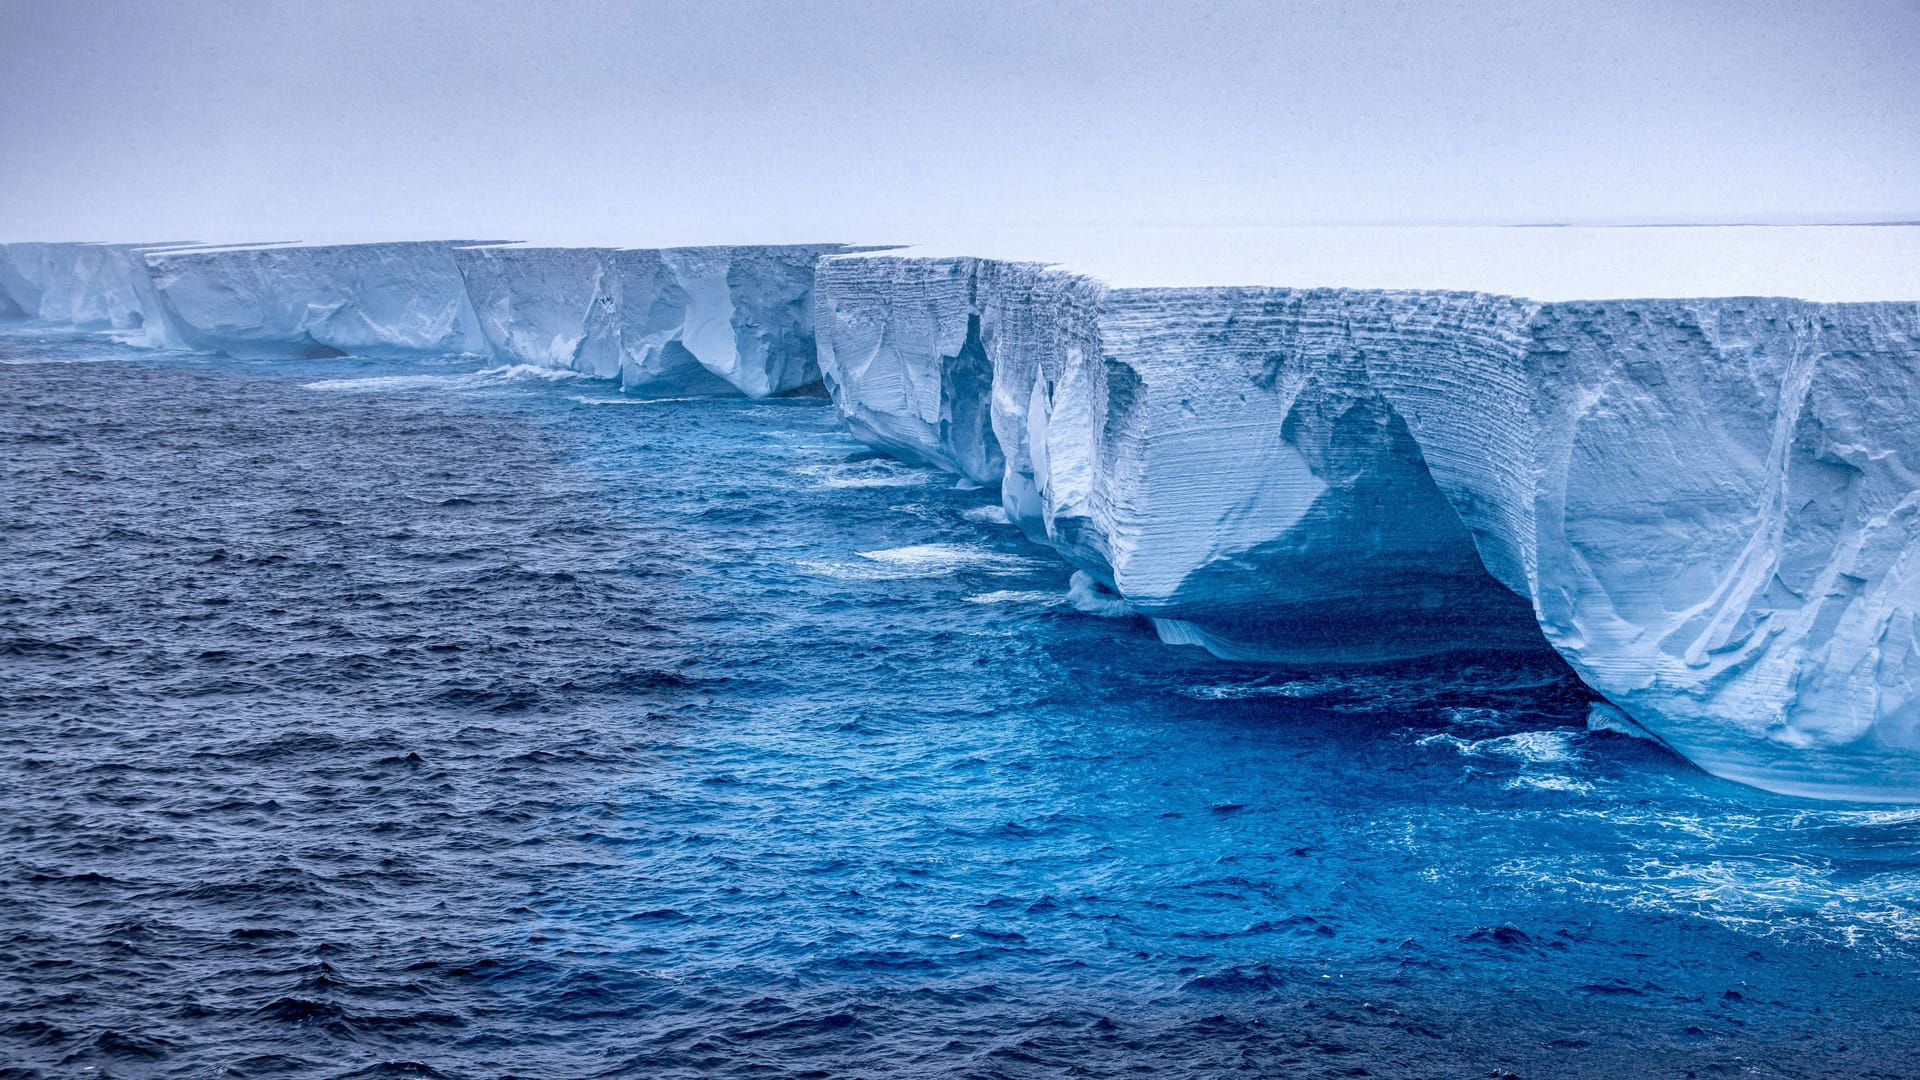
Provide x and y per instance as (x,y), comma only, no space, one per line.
(487,377)
(638,400)
(1244,691)
(1604,717)
(922,560)
(1552,747)
(1025,597)
(870,473)
(1092,598)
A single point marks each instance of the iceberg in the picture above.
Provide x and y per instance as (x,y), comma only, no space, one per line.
(1709,507)
(1686,459)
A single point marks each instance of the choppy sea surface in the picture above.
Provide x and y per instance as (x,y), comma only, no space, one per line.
(362,718)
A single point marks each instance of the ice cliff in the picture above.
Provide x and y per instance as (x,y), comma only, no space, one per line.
(661,320)
(1710,508)
(91,286)
(292,301)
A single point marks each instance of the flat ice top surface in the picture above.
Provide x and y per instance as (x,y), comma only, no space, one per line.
(1810,262)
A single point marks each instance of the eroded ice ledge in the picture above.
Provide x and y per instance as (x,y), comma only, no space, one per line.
(1709,507)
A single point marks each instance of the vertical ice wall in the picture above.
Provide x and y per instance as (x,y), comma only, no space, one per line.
(661,320)
(1220,457)
(900,350)
(271,302)
(694,320)
(677,320)
(90,286)
(1708,507)
(1714,506)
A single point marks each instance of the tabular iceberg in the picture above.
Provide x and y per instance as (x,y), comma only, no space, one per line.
(1219,457)
(1711,508)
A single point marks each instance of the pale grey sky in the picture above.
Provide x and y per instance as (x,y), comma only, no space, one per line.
(690,122)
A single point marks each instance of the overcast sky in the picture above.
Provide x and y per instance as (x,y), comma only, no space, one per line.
(692,122)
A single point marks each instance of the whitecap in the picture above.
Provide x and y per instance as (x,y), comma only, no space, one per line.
(1242,691)
(1474,717)
(1549,782)
(946,557)
(876,473)
(919,560)
(495,376)
(636,400)
(1532,747)
(1444,739)
(385,382)
(1017,596)
(1528,747)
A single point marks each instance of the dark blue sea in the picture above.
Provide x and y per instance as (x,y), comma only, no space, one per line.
(362,718)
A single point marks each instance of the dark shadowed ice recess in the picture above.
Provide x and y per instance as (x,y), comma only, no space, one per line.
(438,719)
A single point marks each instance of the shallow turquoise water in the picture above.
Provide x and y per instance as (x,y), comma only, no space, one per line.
(368,718)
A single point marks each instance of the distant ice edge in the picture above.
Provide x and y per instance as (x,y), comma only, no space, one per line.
(662,321)
(1709,507)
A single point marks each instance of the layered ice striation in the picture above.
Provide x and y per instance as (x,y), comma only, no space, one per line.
(1714,506)
(694,320)
(1219,457)
(1708,507)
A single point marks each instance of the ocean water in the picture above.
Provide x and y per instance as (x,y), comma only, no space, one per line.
(362,718)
